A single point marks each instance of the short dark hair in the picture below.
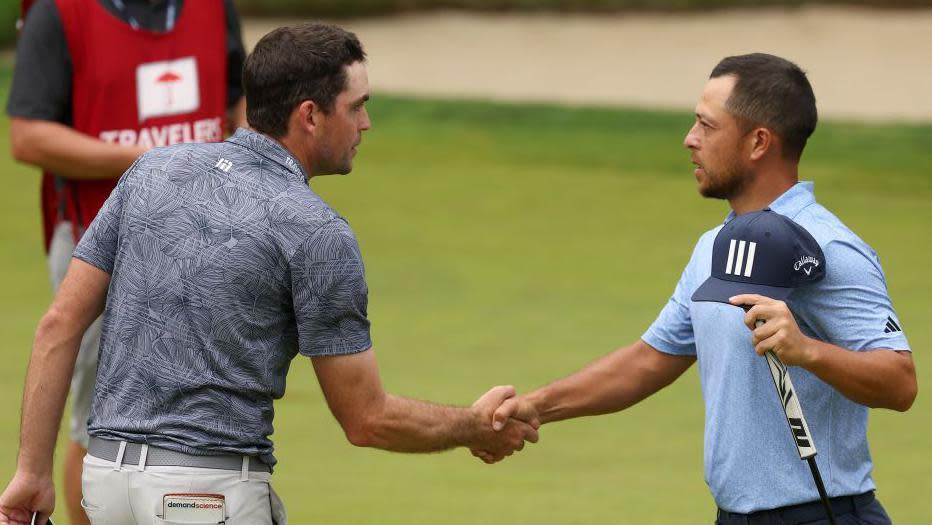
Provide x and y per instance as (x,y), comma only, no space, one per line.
(294,64)
(772,92)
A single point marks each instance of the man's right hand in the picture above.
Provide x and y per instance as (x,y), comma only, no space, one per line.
(493,445)
(515,408)
(25,495)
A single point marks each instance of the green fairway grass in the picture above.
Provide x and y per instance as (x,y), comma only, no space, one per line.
(512,244)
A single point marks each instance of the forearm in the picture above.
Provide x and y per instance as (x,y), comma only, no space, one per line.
(65,152)
(610,384)
(401,424)
(590,391)
(370,417)
(874,378)
(45,391)
(80,300)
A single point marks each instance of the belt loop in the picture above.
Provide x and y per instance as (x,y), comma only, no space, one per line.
(118,462)
(244,471)
(143,452)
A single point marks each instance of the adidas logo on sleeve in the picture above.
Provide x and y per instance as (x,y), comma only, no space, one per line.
(891,326)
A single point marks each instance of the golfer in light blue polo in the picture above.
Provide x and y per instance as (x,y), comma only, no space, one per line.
(840,336)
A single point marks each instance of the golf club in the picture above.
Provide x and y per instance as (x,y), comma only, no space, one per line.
(797,421)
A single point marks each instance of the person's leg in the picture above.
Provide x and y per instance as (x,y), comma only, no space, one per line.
(872,514)
(106,494)
(72,471)
(82,394)
(279,515)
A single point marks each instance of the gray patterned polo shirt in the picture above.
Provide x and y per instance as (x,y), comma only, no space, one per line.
(224,265)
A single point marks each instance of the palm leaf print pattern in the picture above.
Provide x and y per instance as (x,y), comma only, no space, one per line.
(219,278)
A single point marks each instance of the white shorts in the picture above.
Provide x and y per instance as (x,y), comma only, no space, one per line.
(85,368)
(132,495)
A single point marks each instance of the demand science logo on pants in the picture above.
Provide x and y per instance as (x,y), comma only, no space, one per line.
(194,508)
(166,88)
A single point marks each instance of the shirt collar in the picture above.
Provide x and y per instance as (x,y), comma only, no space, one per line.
(268,148)
(792,201)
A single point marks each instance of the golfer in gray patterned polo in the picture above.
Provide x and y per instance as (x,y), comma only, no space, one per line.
(222,265)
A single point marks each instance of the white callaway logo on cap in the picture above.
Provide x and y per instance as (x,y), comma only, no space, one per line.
(805,260)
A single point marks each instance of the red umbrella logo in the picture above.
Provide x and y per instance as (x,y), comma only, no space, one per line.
(168,79)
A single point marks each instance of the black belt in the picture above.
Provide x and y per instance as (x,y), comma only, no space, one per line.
(109,450)
(796,514)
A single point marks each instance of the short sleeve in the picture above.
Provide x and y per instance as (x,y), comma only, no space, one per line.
(329,292)
(851,308)
(98,246)
(41,87)
(672,331)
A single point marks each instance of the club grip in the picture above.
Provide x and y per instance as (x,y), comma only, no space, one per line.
(793,411)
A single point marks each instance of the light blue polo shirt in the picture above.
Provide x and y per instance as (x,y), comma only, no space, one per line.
(751,462)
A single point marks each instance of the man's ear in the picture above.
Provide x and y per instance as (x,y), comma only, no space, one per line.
(762,140)
(307,116)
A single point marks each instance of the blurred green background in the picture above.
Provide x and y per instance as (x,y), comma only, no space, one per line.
(513,244)
(9,12)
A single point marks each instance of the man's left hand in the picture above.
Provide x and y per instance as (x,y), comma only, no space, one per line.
(779,333)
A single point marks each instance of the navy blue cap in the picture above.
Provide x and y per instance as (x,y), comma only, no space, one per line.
(762,253)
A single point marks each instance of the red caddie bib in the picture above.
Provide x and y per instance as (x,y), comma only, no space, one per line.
(137,87)
(24,6)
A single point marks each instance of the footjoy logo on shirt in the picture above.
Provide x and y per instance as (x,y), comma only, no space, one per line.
(167,88)
(806,263)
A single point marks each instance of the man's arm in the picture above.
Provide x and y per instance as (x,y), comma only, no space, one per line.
(63,151)
(614,382)
(40,104)
(373,418)
(79,301)
(876,378)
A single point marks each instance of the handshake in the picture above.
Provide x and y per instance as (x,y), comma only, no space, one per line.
(505,423)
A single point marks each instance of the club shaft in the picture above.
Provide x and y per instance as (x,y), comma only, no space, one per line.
(821,486)
(794,412)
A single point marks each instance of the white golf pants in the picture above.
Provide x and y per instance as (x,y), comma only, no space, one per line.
(132,495)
